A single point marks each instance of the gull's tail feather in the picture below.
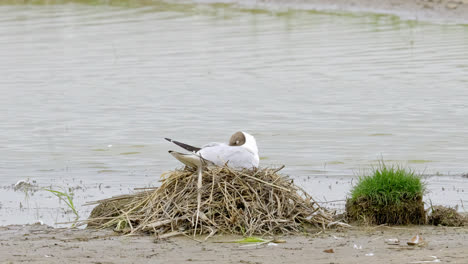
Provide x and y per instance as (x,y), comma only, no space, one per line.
(191,160)
(183,145)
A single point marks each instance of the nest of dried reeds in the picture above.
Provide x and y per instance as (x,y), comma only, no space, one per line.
(229,201)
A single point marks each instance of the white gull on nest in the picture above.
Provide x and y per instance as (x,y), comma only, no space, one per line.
(240,153)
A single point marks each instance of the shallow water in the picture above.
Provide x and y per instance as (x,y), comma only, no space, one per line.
(89,92)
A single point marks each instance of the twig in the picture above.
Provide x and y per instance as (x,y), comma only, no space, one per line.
(199,186)
(280,168)
(267,183)
(333,201)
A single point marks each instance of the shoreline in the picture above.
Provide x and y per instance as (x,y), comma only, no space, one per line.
(43,244)
(329,192)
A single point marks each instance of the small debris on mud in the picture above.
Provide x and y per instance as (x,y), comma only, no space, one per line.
(22,185)
(417,240)
(392,241)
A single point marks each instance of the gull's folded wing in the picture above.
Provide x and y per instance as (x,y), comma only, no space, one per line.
(191,159)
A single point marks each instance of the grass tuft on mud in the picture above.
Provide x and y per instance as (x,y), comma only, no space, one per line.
(244,202)
(391,195)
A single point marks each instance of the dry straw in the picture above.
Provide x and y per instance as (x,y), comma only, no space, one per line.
(240,202)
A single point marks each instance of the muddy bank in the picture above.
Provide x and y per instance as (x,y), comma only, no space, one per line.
(439,11)
(43,244)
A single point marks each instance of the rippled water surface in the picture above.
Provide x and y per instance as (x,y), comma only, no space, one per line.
(89,91)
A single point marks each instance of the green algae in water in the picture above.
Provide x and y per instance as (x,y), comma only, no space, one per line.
(107,171)
(419,161)
(99,149)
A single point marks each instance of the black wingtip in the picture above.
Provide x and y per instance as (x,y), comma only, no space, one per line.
(170,151)
(183,145)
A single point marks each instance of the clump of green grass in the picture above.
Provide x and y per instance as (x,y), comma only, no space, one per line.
(391,194)
(388,185)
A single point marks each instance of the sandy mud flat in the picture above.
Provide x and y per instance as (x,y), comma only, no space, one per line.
(44,244)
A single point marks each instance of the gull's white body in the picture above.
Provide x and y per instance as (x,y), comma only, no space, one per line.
(239,157)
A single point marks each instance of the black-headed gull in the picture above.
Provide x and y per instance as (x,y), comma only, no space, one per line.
(240,153)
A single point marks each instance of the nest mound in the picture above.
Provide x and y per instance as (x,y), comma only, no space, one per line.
(229,201)
(446,216)
(408,211)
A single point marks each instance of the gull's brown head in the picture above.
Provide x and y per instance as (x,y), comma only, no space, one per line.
(238,139)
